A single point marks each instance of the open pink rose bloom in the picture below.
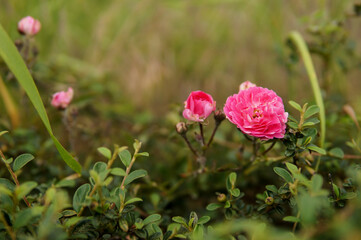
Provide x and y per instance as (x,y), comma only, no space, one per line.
(29,26)
(258,112)
(198,106)
(62,99)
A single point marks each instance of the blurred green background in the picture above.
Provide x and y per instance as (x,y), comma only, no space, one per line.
(154,52)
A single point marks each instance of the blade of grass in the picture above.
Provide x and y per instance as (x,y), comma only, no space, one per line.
(17,66)
(297,39)
(10,105)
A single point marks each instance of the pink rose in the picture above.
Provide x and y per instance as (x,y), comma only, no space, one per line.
(245,85)
(62,99)
(258,112)
(198,106)
(29,26)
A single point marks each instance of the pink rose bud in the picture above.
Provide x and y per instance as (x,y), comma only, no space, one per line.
(245,85)
(258,112)
(62,99)
(29,26)
(198,106)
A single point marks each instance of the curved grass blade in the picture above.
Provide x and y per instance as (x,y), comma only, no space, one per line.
(12,58)
(297,39)
(10,105)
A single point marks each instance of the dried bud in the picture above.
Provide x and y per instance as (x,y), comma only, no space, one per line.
(219,116)
(181,128)
(269,200)
(221,197)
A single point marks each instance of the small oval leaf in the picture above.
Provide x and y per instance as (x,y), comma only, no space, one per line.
(22,160)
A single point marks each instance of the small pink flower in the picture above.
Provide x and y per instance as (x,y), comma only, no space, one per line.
(29,26)
(245,85)
(198,106)
(62,99)
(258,112)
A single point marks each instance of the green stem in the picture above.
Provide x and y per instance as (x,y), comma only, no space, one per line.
(7,227)
(202,133)
(13,175)
(129,167)
(297,39)
(295,224)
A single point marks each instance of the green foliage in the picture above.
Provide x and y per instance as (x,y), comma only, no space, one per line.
(303,186)
(11,56)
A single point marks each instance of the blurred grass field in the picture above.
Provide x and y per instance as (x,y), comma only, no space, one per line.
(154,52)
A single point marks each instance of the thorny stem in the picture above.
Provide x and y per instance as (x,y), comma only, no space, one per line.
(269,148)
(212,136)
(255,148)
(129,167)
(114,156)
(295,224)
(7,227)
(202,133)
(189,144)
(13,175)
(331,183)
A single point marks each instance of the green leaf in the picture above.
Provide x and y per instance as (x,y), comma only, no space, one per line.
(198,232)
(14,61)
(5,190)
(292,168)
(101,169)
(117,171)
(133,200)
(292,119)
(9,161)
(105,152)
(336,190)
(291,219)
(235,192)
(306,140)
(65,183)
(180,220)
(317,182)
(310,122)
(125,157)
(7,183)
(142,154)
(22,160)
(336,152)
(232,178)
(203,220)
(295,105)
(3,132)
(214,206)
(152,218)
(135,175)
(316,149)
(349,195)
(25,188)
(283,173)
(312,110)
(24,217)
(80,196)
(137,145)
(72,221)
(272,188)
(293,125)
